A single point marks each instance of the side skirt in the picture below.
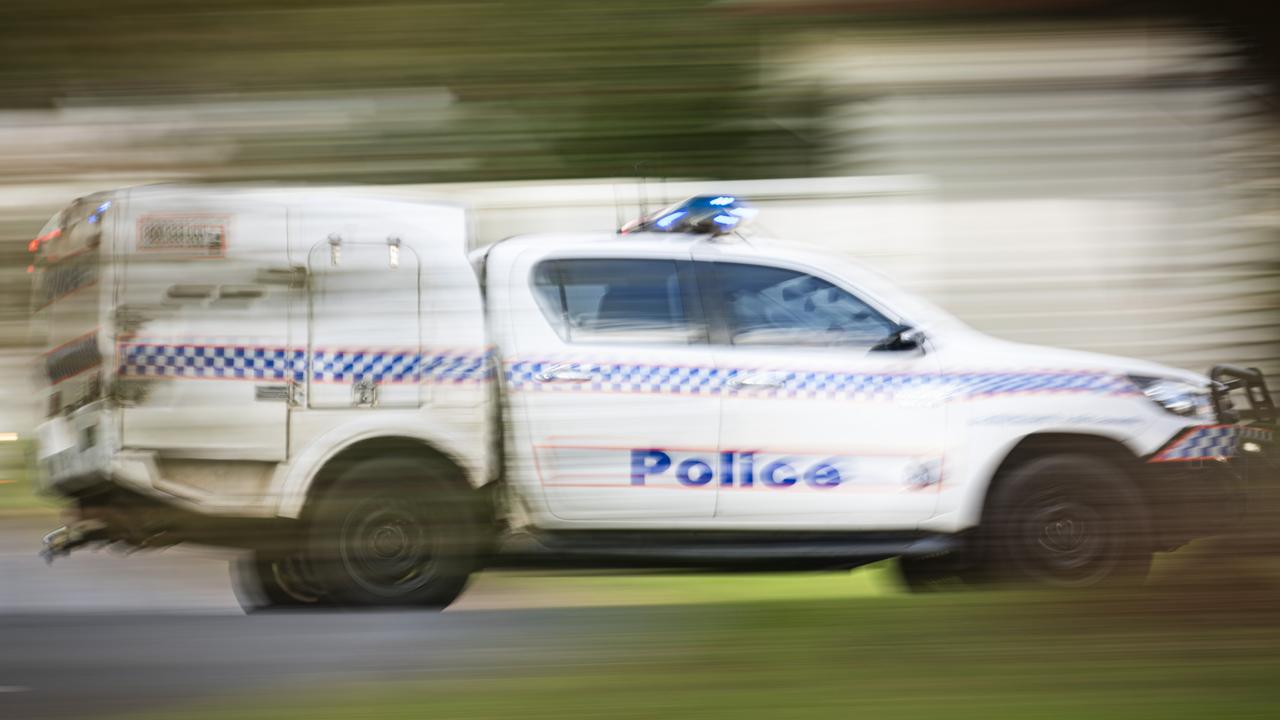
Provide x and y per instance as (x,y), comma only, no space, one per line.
(713,550)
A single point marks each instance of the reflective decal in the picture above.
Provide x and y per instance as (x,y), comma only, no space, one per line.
(252,362)
(906,388)
(1203,442)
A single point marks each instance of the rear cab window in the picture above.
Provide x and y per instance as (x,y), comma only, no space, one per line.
(620,300)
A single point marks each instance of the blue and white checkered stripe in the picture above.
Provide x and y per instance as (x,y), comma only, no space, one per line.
(615,377)
(226,362)
(355,365)
(984,384)
(808,384)
(1206,442)
(453,367)
(1256,434)
(247,362)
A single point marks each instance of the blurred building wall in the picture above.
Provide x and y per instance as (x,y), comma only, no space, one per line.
(1104,185)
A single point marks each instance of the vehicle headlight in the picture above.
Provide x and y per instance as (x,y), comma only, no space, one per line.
(1176,396)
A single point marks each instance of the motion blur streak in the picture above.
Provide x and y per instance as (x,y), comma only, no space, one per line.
(1090,174)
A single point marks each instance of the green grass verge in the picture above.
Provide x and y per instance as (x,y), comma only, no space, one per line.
(965,656)
(492,589)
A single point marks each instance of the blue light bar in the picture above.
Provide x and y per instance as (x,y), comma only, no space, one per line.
(700,214)
(98,213)
(665,221)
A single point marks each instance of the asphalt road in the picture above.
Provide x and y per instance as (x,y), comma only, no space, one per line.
(97,634)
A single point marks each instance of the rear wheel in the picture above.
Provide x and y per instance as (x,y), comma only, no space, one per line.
(1067,521)
(395,531)
(266,580)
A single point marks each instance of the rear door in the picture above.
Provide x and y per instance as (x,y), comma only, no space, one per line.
(612,385)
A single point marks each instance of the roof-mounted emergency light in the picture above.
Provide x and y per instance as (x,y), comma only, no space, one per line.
(700,214)
(335,249)
(393,252)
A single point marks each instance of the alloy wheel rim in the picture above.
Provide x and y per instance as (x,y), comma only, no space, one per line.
(1066,541)
(387,547)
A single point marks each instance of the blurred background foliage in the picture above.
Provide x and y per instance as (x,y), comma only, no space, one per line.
(450,91)
(471,90)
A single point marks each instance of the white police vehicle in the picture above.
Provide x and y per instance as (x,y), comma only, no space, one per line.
(333,383)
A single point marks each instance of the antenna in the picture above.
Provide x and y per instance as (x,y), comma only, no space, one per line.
(617,209)
(644,201)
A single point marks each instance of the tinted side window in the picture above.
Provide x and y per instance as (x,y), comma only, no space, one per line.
(618,300)
(772,306)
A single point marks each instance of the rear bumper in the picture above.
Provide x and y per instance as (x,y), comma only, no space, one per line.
(74,452)
(79,454)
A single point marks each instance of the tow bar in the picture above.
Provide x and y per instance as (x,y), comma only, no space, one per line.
(62,541)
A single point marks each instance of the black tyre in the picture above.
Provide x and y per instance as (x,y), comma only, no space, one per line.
(264,580)
(395,531)
(1066,521)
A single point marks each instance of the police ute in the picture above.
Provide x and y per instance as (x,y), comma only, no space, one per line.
(333,383)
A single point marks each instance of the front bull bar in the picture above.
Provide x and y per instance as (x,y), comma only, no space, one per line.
(1226,378)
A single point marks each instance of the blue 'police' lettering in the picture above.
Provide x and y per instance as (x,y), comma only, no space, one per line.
(778,474)
(733,469)
(648,462)
(822,475)
(726,468)
(694,472)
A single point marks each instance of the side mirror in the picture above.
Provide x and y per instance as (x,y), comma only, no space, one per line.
(901,339)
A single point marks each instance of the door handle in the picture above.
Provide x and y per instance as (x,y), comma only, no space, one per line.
(758,380)
(564,372)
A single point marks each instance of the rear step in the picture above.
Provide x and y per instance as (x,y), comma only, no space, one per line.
(715,549)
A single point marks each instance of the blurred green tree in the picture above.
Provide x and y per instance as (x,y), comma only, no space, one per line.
(557,88)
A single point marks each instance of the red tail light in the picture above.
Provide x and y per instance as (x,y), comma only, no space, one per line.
(34,245)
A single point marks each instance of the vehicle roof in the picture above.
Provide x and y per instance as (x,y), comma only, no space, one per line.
(603,239)
(669,244)
(294,196)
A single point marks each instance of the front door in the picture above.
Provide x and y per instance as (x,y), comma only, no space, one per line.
(818,428)
(614,387)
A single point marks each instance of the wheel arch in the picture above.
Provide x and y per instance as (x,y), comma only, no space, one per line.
(377,487)
(319,465)
(1038,445)
(380,447)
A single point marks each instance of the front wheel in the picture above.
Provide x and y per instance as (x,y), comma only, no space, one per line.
(1067,521)
(395,531)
